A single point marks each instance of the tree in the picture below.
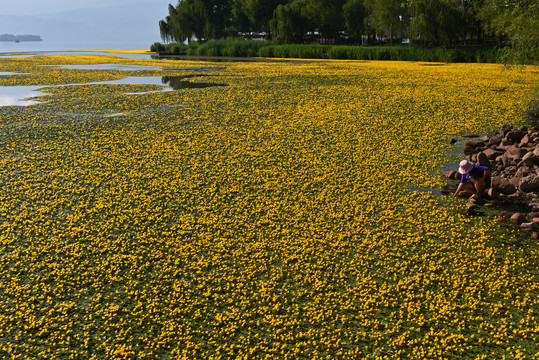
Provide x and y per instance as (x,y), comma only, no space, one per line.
(201,19)
(354,14)
(289,24)
(519,21)
(327,15)
(386,16)
(259,12)
(435,22)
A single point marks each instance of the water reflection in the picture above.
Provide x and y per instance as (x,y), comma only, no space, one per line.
(180,82)
(18,95)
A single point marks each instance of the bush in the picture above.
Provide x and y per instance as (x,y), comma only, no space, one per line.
(177,49)
(251,48)
(157,46)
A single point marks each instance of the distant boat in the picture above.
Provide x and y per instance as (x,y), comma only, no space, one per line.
(17,41)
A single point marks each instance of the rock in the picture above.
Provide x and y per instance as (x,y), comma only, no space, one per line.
(505,129)
(533,214)
(503,185)
(470,135)
(534,235)
(518,218)
(470,205)
(482,159)
(529,183)
(526,226)
(450,174)
(493,193)
(465,194)
(448,189)
(514,180)
(525,140)
(535,220)
(484,139)
(494,140)
(515,151)
(513,155)
(452,141)
(491,154)
(515,136)
(534,206)
(522,172)
(527,163)
(523,129)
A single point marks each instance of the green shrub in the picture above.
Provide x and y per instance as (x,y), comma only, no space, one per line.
(251,48)
(157,46)
(177,49)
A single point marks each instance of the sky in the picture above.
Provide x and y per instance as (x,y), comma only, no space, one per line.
(85,21)
(37,7)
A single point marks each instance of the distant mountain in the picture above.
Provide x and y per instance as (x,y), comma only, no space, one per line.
(136,22)
(24,37)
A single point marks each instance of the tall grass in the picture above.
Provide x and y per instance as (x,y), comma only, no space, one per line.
(254,48)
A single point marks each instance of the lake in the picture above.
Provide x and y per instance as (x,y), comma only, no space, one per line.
(7,48)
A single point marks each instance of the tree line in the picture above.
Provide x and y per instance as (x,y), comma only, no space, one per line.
(431,23)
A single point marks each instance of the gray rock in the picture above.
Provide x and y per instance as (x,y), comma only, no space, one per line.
(470,135)
(525,225)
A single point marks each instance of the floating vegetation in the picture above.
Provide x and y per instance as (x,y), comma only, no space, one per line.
(272,218)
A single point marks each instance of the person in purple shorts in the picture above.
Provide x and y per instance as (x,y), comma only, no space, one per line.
(474,179)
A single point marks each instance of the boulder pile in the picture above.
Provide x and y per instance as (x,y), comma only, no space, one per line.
(513,157)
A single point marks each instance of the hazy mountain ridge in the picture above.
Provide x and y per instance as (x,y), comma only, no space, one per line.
(112,23)
(20,37)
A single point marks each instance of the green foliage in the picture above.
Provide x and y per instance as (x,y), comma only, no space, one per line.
(226,47)
(289,24)
(386,16)
(518,21)
(354,13)
(400,53)
(177,49)
(157,46)
(443,23)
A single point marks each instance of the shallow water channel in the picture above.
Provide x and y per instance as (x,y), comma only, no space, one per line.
(22,95)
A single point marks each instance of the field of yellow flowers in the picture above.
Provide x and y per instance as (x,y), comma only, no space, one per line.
(287,215)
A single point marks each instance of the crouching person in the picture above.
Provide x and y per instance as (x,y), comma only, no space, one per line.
(474,179)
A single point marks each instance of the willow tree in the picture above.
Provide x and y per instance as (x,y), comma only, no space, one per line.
(519,22)
(354,17)
(200,19)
